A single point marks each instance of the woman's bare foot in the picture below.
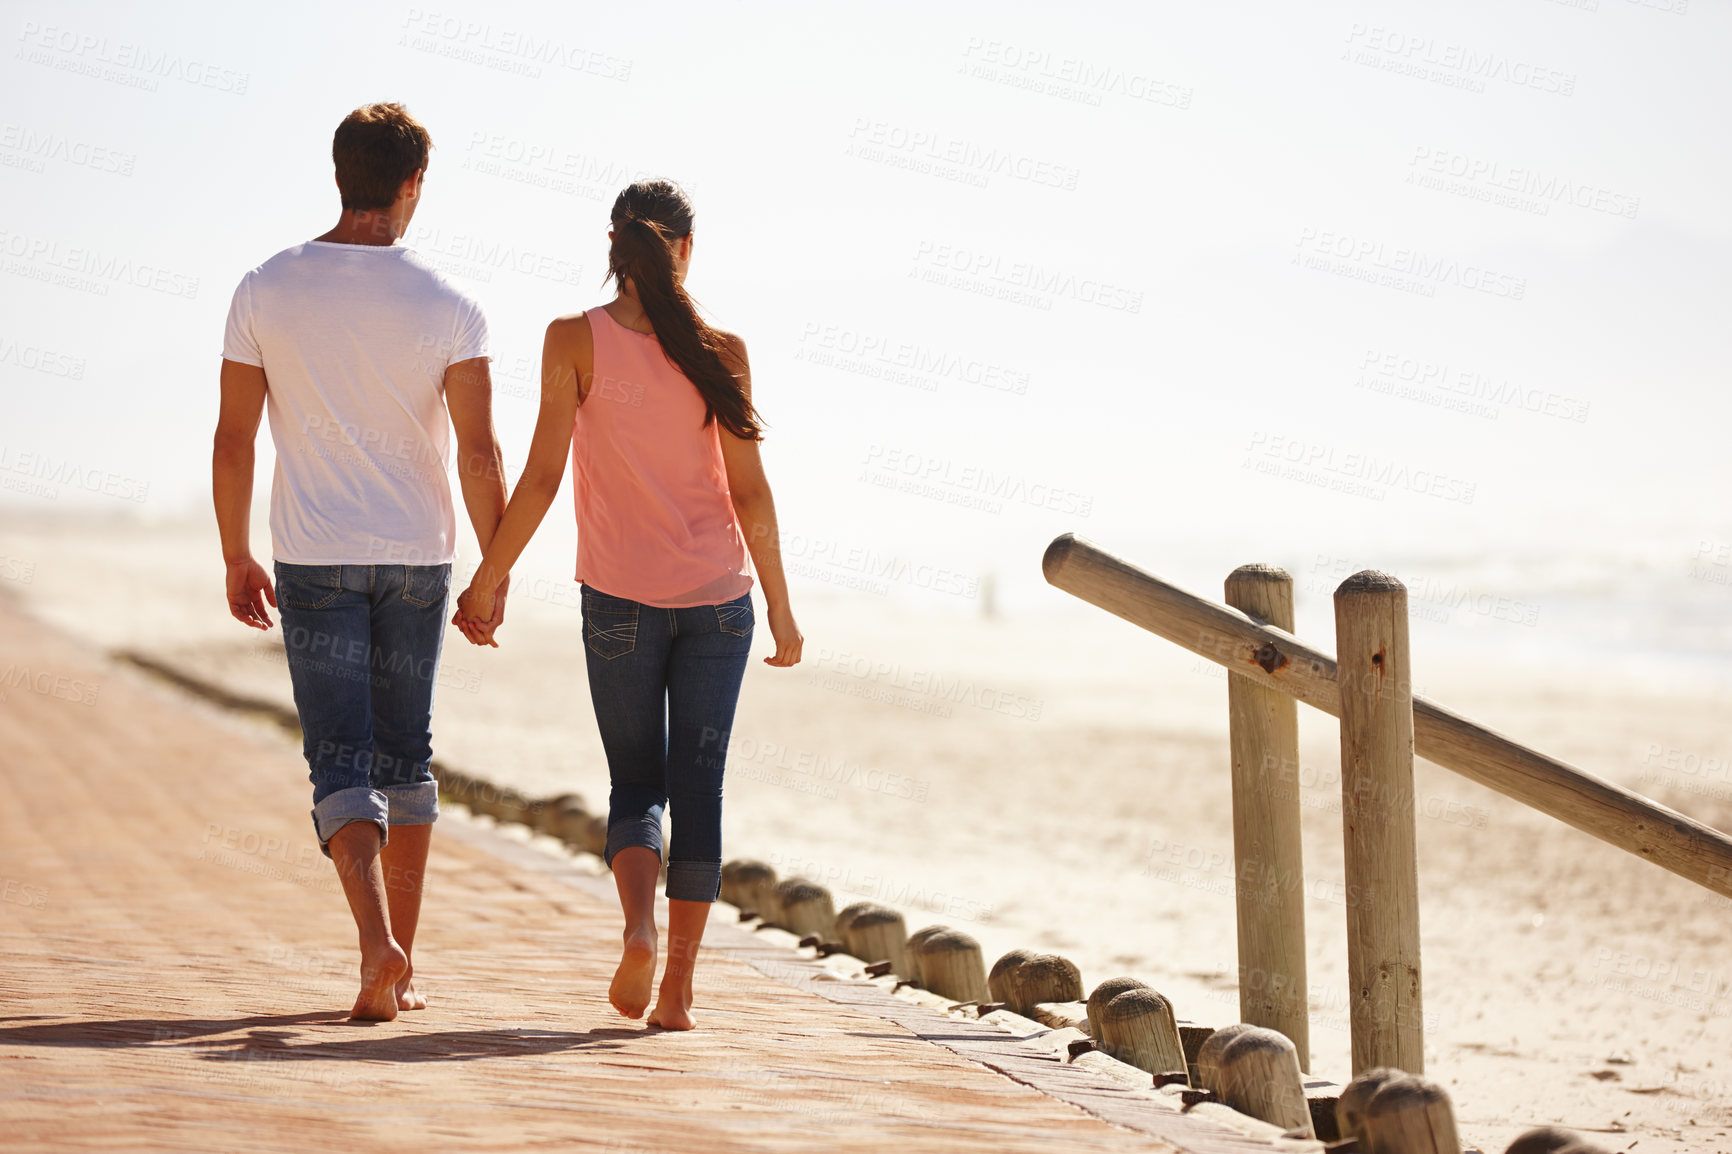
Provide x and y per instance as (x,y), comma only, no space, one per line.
(673,1010)
(630,991)
(380,973)
(407,998)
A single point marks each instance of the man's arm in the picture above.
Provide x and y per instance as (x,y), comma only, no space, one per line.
(480,465)
(243,403)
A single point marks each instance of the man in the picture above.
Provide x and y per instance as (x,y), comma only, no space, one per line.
(359,349)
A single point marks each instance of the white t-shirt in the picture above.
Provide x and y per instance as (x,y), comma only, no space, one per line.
(354,340)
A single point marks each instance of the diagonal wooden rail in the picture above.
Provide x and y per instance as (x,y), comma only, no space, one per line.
(1275,658)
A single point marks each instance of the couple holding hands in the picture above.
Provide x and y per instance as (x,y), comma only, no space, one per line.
(367,360)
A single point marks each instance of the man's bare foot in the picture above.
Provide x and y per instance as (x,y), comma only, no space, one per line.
(407,998)
(380,973)
(630,991)
(673,1010)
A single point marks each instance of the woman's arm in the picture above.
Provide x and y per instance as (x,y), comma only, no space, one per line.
(756,509)
(567,357)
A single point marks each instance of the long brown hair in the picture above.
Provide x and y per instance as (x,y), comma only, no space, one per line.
(649,217)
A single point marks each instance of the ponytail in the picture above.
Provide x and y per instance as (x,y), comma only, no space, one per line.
(648,218)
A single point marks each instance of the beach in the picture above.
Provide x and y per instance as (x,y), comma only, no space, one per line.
(1049,776)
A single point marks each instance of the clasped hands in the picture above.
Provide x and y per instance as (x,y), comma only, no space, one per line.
(480,611)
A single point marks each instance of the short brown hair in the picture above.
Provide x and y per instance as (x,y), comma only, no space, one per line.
(377,148)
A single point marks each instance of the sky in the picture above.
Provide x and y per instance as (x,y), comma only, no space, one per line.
(1327,284)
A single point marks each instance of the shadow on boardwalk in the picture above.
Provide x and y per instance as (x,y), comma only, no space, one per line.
(261,1037)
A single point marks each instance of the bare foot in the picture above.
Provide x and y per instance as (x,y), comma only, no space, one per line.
(630,991)
(380,973)
(407,998)
(673,1010)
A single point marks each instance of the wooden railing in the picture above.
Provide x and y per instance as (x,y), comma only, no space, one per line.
(1383,725)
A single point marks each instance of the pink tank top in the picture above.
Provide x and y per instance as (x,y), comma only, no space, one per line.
(655,522)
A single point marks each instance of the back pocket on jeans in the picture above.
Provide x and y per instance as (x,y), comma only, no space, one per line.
(609,624)
(308,586)
(735,616)
(425,586)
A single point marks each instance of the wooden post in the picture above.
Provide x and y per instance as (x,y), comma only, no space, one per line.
(1138,1027)
(840,930)
(951,966)
(1553,1140)
(595,835)
(1410,1115)
(1350,1106)
(1209,1055)
(1269,875)
(744,882)
(1104,993)
(804,907)
(570,822)
(548,812)
(1260,1076)
(1001,981)
(917,943)
(1382,891)
(1044,978)
(876,934)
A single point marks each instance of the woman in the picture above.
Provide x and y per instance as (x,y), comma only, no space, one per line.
(671,494)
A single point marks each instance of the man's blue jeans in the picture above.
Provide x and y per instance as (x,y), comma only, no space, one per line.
(363,643)
(665,683)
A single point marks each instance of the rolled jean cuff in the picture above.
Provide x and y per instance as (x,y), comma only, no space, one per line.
(645,831)
(694,881)
(358,803)
(416,804)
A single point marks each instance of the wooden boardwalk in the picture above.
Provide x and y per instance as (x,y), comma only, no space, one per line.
(176,961)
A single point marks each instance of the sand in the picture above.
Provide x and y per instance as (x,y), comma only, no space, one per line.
(1057,779)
